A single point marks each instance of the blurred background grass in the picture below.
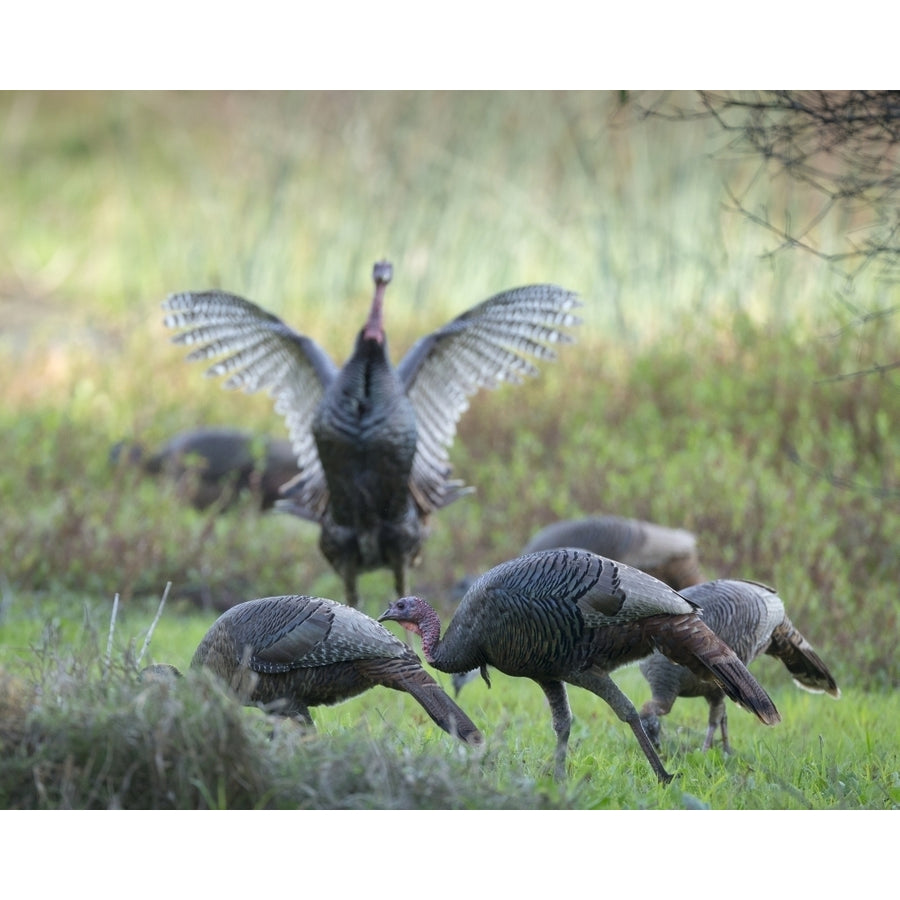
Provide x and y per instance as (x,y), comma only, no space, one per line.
(700,364)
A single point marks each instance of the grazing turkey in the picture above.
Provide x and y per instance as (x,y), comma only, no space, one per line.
(569,616)
(750,618)
(371,441)
(290,653)
(669,554)
(225,463)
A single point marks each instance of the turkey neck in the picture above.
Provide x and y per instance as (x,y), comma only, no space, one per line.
(444,655)
(429,629)
(374,329)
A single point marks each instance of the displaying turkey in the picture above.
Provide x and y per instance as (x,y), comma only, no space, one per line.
(750,618)
(372,441)
(289,653)
(569,616)
(225,461)
(669,554)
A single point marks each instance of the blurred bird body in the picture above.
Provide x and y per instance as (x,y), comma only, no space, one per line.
(669,554)
(225,462)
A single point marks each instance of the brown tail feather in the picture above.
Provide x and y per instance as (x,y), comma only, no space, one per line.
(688,641)
(799,658)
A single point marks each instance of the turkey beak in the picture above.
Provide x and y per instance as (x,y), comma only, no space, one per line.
(386,615)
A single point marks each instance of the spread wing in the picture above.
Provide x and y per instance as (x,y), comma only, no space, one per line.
(257,351)
(482,348)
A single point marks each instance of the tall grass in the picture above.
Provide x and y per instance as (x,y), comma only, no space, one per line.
(697,395)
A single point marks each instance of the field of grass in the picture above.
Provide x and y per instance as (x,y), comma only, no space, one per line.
(699,394)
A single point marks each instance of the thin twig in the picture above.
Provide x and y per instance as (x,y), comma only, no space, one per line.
(162,603)
(112,629)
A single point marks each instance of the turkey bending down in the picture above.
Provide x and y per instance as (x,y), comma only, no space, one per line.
(290,653)
(372,440)
(669,554)
(225,461)
(569,616)
(750,618)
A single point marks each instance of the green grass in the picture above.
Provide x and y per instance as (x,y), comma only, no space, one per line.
(700,367)
(80,731)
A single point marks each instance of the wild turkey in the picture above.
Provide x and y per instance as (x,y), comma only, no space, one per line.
(569,616)
(750,618)
(372,441)
(293,652)
(669,554)
(225,461)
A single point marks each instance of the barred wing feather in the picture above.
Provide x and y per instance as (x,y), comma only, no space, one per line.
(258,351)
(482,348)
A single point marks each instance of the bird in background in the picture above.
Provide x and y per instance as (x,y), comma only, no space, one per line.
(567,616)
(751,619)
(371,439)
(289,653)
(669,554)
(225,461)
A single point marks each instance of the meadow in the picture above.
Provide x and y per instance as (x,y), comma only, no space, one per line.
(705,390)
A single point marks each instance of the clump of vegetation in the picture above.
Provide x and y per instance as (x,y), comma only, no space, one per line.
(82,731)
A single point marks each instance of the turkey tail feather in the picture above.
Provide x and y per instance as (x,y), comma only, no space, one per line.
(799,658)
(688,641)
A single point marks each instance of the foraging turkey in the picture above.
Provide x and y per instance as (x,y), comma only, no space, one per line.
(669,554)
(371,440)
(226,464)
(750,618)
(290,653)
(569,616)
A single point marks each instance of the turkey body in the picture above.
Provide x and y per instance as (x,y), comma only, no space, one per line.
(571,617)
(293,652)
(750,618)
(371,441)
(669,554)
(226,464)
